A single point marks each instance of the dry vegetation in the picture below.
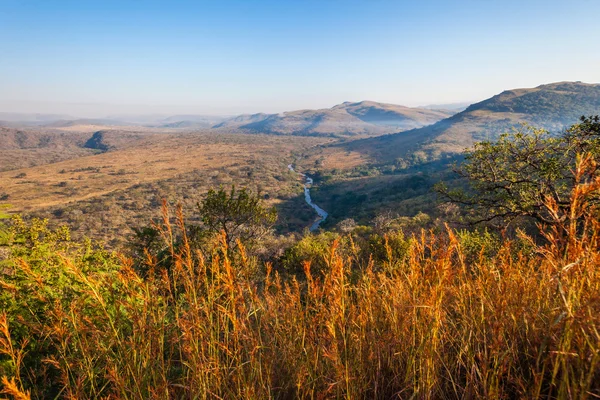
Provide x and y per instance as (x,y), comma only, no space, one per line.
(554,107)
(432,316)
(382,311)
(103,194)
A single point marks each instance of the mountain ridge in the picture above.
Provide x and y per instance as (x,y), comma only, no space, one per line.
(344,119)
(552,106)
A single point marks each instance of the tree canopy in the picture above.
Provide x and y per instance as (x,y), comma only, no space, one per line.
(519,173)
(238,214)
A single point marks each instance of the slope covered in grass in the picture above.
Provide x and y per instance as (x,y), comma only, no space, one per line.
(445,314)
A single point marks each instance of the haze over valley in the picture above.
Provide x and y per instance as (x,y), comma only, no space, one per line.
(299,199)
(64,168)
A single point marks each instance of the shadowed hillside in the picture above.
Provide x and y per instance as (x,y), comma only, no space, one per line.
(29,147)
(24,148)
(346,119)
(553,107)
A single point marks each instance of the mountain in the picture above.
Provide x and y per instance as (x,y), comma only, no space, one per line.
(346,119)
(366,118)
(184,124)
(553,106)
(393,115)
(27,147)
(328,122)
(240,120)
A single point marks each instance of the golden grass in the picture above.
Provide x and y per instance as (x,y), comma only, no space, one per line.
(157,159)
(334,158)
(433,324)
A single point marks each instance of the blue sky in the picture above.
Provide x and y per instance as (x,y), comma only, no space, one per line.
(226,57)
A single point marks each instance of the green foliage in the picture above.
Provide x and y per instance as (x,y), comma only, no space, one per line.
(383,311)
(83,325)
(311,248)
(389,249)
(5,235)
(516,175)
(5,232)
(40,272)
(478,245)
(239,214)
(4,215)
(359,312)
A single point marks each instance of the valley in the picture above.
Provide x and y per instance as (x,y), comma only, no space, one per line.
(108,192)
(299,200)
(366,159)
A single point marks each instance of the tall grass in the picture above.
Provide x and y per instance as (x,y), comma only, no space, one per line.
(434,324)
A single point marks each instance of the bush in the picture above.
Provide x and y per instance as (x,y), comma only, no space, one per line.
(444,322)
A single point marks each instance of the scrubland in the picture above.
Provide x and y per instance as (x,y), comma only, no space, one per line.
(446,314)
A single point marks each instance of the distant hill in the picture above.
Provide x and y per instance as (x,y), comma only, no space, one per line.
(346,119)
(366,118)
(240,120)
(553,106)
(17,139)
(329,122)
(183,124)
(393,115)
(189,121)
(25,148)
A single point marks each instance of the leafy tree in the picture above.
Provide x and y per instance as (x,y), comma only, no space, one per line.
(518,174)
(238,214)
(44,269)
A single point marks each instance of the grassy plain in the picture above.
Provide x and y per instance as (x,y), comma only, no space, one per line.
(104,193)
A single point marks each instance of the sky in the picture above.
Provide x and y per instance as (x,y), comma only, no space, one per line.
(96,58)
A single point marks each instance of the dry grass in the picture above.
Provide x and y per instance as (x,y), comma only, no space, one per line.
(101,196)
(160,159)
(334,158)
(433,324)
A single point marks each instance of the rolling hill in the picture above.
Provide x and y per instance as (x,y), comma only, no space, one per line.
(29,147)
(365,118)
(25,148)
(346,119)
(188,121)
(553,106)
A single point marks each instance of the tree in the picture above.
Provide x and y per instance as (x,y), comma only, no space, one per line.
(238,214)
(518,174)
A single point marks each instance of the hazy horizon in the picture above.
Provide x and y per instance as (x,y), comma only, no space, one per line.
(118,110)
(95,59)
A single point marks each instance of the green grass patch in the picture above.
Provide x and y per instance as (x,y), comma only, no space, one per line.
(3,209)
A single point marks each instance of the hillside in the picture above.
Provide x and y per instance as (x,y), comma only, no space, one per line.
(240,120)
(188,121)
(21,148)
(365,118)
(552,106)
(29,147)
(393,115)
(359,178)
(346,119)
